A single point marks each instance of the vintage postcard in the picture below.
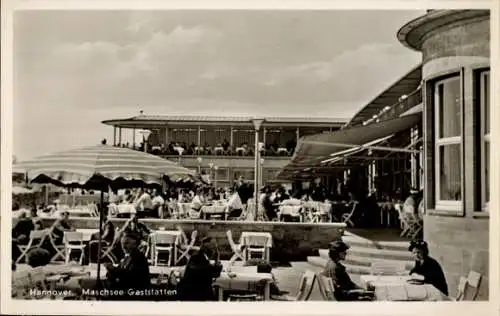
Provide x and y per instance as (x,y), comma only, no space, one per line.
(222,158)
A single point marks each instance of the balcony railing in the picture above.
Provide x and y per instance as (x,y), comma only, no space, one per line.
(219,152)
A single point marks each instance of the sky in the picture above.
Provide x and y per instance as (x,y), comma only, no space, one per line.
(73,69)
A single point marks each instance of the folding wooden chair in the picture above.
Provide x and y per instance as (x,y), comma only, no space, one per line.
(73,241)
(37,238)
(255,244)
(346,218)
(106,249)
(164,242)
(462,286)
(236,248)
(304,290)
(59,249)
(187,247)
(473,281)
(325,285)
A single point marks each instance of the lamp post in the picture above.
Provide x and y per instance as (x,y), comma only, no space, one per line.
(257,123)
(211,166)
(180,151)
(145,135)
(200,160)
(215,175)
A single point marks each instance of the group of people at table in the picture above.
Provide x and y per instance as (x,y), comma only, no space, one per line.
(197,278)
(229,203)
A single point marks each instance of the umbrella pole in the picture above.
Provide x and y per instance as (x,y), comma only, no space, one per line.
(99,246)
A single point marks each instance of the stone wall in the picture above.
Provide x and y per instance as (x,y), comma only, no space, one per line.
(291,241)
(460,245)
(471,38)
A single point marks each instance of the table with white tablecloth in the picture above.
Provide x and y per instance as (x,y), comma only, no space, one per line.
(398,288)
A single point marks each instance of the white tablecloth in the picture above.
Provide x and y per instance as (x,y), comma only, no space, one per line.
(87,232)
(396,288)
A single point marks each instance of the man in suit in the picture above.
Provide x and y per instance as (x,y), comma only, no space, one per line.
(133,270)
(199,274)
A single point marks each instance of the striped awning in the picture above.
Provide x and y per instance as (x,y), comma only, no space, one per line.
(79,166)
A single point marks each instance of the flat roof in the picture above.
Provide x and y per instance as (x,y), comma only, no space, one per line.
(148,120)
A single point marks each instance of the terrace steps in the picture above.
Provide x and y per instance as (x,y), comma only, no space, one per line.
(364,251)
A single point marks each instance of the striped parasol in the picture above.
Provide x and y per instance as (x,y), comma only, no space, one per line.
(98,167)
(79,167)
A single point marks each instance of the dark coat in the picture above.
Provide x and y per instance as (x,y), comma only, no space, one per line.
(196,284)
(433,274)
(341,280)
(131,273)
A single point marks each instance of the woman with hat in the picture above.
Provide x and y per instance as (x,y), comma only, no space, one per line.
(427,268)
(345,288)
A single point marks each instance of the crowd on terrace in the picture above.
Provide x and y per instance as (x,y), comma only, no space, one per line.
(220,149)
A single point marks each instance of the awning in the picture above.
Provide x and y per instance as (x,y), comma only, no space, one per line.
(312,150)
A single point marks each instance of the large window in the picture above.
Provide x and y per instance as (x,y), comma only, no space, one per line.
(484,99)
(448,138)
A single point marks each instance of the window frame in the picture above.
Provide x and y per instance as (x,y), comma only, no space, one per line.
(439,142)
(484,136)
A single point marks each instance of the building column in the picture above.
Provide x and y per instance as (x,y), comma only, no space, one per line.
(133,138)
(166,137)
(231,139)
(298,134)
(413,159)
(114,135)
(199,136)
(264,131)
(120,136)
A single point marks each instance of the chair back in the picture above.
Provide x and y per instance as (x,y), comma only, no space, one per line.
(351,213)
(473,281)
(326,287)
(164,238)
(194,234)
(73,237)
(462,285)
(308,285)
(38,234)
(183,234)
(387,268)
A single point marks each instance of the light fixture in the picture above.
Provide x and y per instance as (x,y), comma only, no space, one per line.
(375,116)
(387,108)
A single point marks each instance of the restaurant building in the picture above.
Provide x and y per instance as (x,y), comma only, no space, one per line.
(222,147)
(435,124)
(455,46)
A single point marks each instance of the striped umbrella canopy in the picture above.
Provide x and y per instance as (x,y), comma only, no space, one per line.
(100,164)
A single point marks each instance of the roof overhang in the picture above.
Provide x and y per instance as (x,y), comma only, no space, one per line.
(389,97)
(313,153)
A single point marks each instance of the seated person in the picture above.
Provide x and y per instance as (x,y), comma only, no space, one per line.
(22,229)
(60,226)
(133,270)
(158,204)
(345,288)
(197,281)
(235,205)
(107,237)
(197,202)
(427,268)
